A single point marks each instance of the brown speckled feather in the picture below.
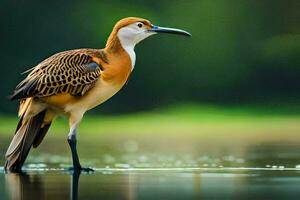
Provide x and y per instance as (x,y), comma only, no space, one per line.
(73,72)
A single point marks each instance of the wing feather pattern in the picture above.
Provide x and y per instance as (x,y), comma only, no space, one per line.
(72,72)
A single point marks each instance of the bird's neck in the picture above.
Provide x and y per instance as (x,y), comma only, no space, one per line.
(116,46)
(130,51)
(113,44)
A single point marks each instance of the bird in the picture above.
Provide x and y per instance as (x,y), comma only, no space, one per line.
(70,83)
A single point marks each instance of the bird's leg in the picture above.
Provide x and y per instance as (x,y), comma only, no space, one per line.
(74,120)
(73,145)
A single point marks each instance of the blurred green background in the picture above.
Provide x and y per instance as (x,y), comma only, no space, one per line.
(228,97)
(228,90)
(241,52)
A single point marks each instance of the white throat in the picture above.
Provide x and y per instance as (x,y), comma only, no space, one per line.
(129,36)
(130,50)
(128,45)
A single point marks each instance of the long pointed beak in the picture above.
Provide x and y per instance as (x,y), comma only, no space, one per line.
(158,29)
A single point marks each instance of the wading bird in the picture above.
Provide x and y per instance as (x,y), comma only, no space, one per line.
(72,82)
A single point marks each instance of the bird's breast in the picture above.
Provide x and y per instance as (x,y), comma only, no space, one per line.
(102,91)
(111,80)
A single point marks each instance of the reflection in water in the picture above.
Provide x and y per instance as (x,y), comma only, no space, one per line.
(35,185)
(163,184)
(74,186)
(40,186)
(23,186)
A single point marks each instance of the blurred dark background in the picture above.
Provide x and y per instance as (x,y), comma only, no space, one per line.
(241,52)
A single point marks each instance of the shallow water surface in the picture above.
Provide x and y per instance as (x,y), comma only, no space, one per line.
(150,167)
(231,183)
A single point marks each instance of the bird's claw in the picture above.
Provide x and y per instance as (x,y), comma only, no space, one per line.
(81,169)
(87,170)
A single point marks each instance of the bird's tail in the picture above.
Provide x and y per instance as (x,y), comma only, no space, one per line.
(29,132)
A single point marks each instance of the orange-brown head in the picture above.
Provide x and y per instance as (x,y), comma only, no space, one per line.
(131,20)
(132,30)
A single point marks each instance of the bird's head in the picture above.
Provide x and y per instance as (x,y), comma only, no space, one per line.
(132,30)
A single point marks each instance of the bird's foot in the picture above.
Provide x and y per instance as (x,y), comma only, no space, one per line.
(81,169)
(87,170)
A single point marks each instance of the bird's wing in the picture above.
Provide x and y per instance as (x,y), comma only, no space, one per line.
(72,72)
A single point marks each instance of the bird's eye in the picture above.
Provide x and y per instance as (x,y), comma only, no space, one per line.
(140,25)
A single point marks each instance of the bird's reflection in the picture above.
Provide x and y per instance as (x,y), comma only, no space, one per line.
(74,185)
(36,186)
(24,186)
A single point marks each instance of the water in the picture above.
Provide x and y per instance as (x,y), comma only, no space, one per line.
(153,184)
(159,168)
